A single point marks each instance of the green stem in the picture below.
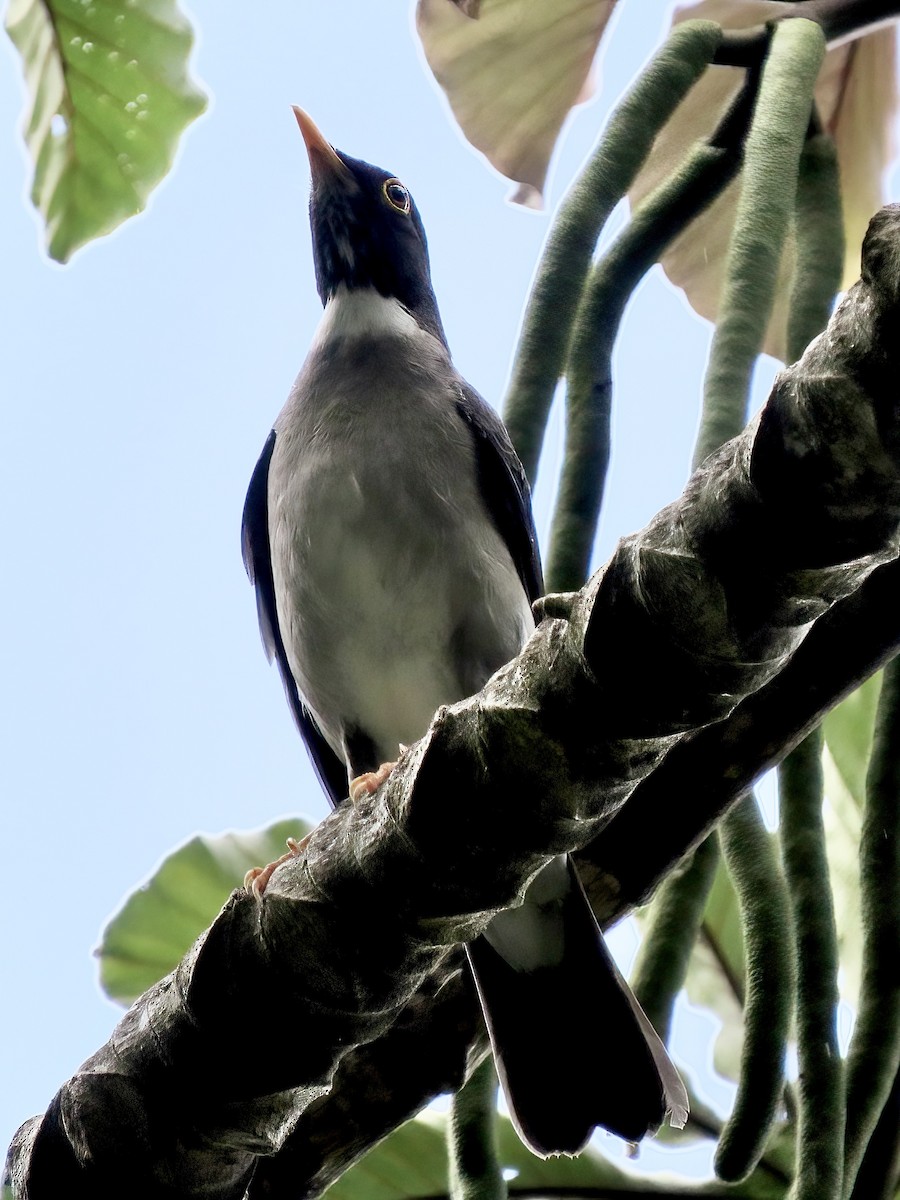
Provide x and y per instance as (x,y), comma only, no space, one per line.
(475,1172)
(820,1136)
(874,1059)
(879,1173)
(564,264)
(765,920)
(763,216)
(660,219)
(819,239)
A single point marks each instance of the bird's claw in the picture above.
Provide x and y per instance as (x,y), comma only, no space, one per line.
(369,781)
(257,878)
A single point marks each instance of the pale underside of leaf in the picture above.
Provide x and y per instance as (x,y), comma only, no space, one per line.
(856,97)
(512,74)
(861,117)
(109,96)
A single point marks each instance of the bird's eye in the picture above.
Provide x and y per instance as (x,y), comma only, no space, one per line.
(396,195)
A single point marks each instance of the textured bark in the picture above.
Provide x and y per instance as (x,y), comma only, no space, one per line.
(274,1036)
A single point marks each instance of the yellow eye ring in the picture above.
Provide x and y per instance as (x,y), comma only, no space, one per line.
(396,195)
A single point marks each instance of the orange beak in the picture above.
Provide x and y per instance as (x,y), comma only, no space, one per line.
(323,158)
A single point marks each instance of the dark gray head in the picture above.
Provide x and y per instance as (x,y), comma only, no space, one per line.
(366,230)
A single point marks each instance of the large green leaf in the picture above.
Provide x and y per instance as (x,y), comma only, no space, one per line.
(159,922)
(412,1162)
(849,729)
(109,96)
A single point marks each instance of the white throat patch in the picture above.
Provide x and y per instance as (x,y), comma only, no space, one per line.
(363,312)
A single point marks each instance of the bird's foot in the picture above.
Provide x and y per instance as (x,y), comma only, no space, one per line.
(257,878)
(370,781)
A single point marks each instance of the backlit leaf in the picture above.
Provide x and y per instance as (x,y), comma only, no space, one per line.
(849,729)
(511,71)
(108,98)
(843,824)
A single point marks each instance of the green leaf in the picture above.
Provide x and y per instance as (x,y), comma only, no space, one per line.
(159,923)
(843,826)
(109,96)
(848,734)
(845,760)
(412,1162)
(590,1169)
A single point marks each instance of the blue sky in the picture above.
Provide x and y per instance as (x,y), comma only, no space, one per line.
(139,384)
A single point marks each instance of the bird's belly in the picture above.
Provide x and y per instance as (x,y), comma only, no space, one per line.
(392,599)
(370,640)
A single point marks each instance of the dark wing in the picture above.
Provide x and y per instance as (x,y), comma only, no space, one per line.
(258,560)
(504,487)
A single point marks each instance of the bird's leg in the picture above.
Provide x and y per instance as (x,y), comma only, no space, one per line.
(257,878)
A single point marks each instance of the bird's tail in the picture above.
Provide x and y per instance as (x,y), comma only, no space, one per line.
(572,1046)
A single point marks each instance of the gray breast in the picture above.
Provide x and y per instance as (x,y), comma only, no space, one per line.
(395,593)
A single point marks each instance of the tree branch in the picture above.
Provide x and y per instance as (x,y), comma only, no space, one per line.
(221,1061)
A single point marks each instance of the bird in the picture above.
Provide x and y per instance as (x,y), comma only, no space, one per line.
(389,535)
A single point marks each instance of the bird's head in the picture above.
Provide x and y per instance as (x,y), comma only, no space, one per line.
(366,230)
